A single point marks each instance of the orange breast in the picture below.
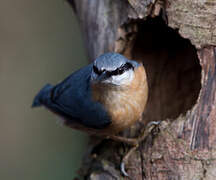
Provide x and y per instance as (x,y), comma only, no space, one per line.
(124,104)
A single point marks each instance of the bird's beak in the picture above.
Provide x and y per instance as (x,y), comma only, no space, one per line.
(102,77)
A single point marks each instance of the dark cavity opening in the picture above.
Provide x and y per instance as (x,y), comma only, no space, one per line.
(172,66)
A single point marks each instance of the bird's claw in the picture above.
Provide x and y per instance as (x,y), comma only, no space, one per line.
(150,125)
(122,168)
(153,123)
(125,159)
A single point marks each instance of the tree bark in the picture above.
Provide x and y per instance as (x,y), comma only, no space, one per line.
(176,41)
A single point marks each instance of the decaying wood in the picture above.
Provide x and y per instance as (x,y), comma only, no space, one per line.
(195,20)
(182,84)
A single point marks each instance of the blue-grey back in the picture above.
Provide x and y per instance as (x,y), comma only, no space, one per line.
(72,99)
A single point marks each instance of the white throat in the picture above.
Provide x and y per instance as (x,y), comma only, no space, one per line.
(123,79)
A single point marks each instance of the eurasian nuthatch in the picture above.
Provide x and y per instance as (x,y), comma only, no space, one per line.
(103,98)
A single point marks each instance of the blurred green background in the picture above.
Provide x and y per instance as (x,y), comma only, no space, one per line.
(40,42)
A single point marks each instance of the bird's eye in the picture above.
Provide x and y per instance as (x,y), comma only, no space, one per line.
(128,66)
(96,70)
(120,71)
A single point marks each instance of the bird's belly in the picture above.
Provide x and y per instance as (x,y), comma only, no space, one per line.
(124,110)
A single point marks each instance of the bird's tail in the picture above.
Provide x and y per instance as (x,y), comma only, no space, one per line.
(42,96)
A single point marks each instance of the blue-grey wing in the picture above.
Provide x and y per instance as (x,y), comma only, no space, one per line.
(72,99)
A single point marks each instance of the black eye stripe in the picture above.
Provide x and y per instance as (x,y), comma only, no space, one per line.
(97,71)
(118,71)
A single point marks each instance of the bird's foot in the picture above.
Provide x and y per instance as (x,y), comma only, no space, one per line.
(129,141)
(134,142)
(153,123)
(149,127)
(125,159)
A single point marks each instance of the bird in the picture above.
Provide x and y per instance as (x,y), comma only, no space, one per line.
(103,98)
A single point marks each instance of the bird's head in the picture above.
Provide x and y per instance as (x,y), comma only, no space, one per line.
(113,69)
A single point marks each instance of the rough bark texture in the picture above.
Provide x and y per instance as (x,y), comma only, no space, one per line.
(182,83)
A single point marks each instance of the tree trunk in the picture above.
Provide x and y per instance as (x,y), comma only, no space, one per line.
(176,41)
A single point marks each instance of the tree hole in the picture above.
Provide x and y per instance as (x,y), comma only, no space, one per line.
(172,67)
